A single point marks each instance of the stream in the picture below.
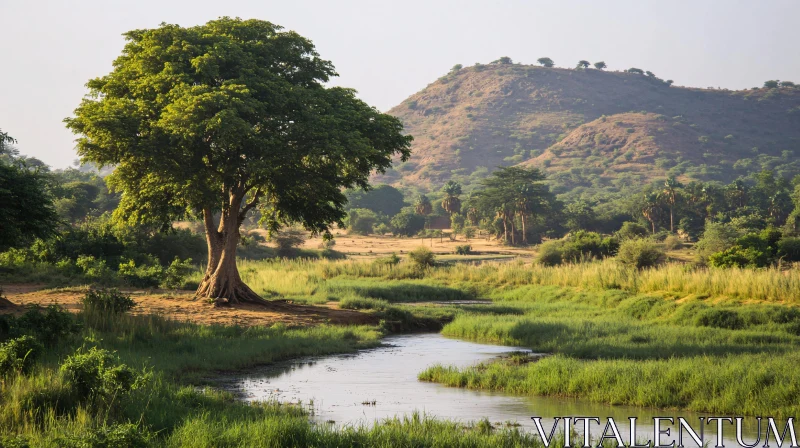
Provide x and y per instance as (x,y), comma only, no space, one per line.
(341,389)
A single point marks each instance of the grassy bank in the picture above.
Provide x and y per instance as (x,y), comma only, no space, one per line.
(106,379)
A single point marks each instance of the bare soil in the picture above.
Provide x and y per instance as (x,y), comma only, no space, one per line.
(182,307)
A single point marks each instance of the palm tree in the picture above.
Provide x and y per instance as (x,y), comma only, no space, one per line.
(650,208)
(422,205)
(670,193)
(451,203)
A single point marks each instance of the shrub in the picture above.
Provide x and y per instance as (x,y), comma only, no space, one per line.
(142,276)
(93,269)
(175,274)
(48,325)
(469,232)
(391,260)
(422,257)
(673,242)
(631,230)
(19,355)
(407,223)
(738,256)
(640,253)
(108,300)
(465,249)
(362,221)
(97,374)
(287,240)
(720,319)
(550,253)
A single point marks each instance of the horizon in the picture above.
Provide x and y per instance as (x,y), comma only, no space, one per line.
(53,49)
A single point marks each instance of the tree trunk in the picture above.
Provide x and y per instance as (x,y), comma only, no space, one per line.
(222,280)
(524,235)
(671,225)
(513,232)
(505,231)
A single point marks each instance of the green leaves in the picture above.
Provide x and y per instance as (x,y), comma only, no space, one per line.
(205,117)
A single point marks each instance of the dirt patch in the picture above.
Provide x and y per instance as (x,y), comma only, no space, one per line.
(182,307)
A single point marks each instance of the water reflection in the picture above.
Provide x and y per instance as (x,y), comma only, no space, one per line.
(343,389)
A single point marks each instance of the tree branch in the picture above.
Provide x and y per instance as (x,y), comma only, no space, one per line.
(249,206)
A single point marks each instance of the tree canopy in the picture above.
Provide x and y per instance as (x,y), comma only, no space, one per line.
(225,117)
(545,62)
(600,65)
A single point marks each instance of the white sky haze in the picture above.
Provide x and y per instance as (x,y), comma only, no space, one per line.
(387,50)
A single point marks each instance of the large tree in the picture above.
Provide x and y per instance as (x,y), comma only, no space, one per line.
(26,207)
(218,119)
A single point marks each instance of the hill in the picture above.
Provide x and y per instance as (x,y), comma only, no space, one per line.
(593,131)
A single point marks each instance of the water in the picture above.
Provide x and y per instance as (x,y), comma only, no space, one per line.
(343,388)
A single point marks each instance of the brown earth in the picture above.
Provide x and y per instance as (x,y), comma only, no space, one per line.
(181,306)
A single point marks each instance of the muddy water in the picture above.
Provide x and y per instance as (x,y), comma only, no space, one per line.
(344,387)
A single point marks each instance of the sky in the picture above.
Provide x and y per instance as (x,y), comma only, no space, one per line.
(388,50)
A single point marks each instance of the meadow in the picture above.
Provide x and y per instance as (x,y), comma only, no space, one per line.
(722,341)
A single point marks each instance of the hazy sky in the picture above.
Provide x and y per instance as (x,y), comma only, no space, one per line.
(388,50)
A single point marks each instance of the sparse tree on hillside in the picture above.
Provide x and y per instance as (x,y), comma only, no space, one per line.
(650,74)
(451,203)
(773,84)
(789,84)
(600,65)
(546,62)
(670,192)
(423,206)
(503,60)
(669,82)
(456,68)
(636,71)
(582,64)
(221,118)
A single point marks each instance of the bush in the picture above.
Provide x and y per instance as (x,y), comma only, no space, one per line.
(175,274)
(108,300)
(407,223)
(550,253)
(631,230)
(125,435)
(142,276)
(391,260)
(97,375)
(469,232)
(738,256)
(93,269)
(720,319)
(673,242)
(19,355)
(422,257)
(362,221)
(48,325)
(640,253)
(466,249)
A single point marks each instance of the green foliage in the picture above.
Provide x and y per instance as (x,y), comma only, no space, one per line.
(464,249)
(600,65)
(582,64)
(141,276)
(19,355)
(407,223)
(362,221)
(93,269)
(175,274)
(422,257)
(108,301)
(579,216)
(97,375)
(673,242)
(126,435)
(26,209)
(718,318)
(771,84)
(545,62)
(48,325)
(382,199)
(640,253)
(576,247)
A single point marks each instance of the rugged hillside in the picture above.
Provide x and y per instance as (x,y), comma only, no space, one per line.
(590,128)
